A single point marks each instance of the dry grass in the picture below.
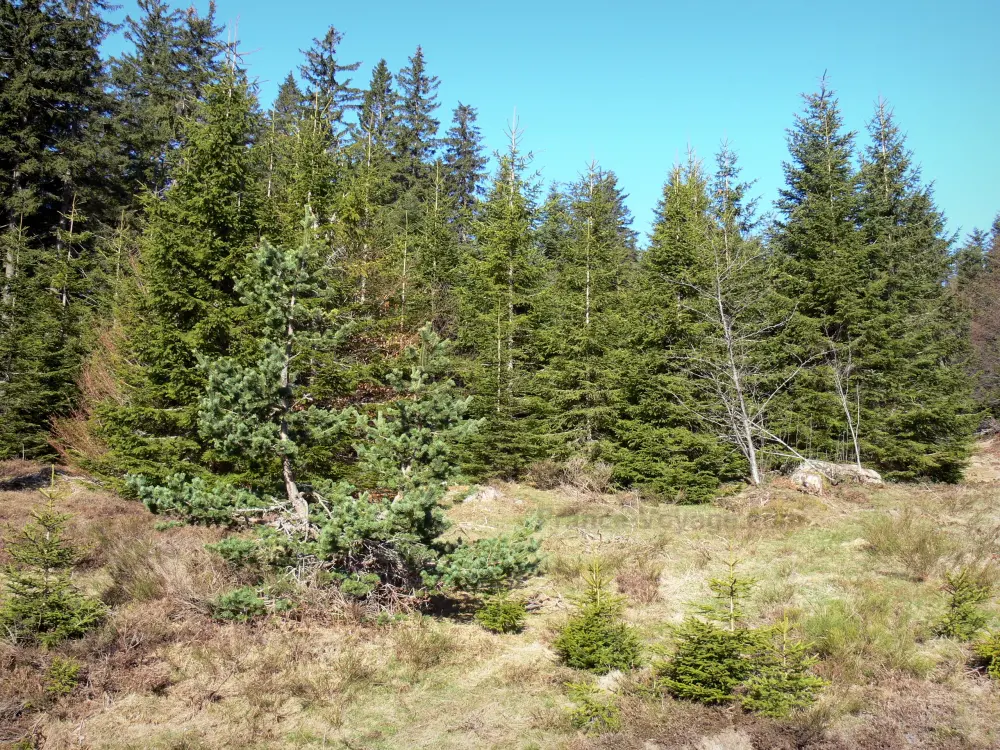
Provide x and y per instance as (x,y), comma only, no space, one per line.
(858,570)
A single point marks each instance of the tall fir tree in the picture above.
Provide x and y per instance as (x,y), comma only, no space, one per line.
(825,271)
(196,244)
(58,191)
(464,165)
(329,90)
(590,271)
(175,55)
(976,284)
(911,391)
(661,443)
(500,276)
(416,127)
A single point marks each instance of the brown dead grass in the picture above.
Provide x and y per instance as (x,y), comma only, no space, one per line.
(162,674)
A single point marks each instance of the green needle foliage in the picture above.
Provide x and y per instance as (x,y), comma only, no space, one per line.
(40,602)
(965,617)
(717,659)
(781,681)
(502,614)
(596,638)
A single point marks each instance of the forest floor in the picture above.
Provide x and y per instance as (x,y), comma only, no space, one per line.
(858,569)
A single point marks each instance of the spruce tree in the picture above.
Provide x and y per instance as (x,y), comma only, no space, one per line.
(977,287)
(175,55)
(464,163)
(590,271)
(57,150)
(500,276)
(661,442)
(40,602)
(329,90)
(416,127)
(196,244)
(825,270)
(910,348)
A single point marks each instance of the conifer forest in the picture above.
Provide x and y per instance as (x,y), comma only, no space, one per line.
(313,409)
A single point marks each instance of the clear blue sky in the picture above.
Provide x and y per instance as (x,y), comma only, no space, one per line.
(631,84)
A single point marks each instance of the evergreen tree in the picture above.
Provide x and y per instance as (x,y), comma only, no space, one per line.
(253,407)
(416,127)
(977,285)
(40,602)
(825,269)
(329,90)
(500,276)
(910,347)
(196,244)
(175,55)
(464,163)
(661,443)
(57,150)
(590,270)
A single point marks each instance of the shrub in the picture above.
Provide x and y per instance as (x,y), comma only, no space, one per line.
(964,618)
(501,614)
(41,603)
(596,638)
(239,605)
(62,676)
(988,652)
(913,542)
(593,713)
(640,581)
(489,565)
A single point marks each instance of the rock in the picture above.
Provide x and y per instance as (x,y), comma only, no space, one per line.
(727,739)
(610,681)
(812,475)
(484,495)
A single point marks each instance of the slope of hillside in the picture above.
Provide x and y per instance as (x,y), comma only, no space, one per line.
(859,571)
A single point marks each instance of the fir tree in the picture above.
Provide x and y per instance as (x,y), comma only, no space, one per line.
(661,443)
(175,55)
(196,244)
(499,278)
(910,347)
(57,148)
(590,270)
(824,266)
(416,127)
(40,602)
(329,90)
(977,286)
(464,163)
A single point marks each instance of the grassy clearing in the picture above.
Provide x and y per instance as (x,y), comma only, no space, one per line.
(859,571)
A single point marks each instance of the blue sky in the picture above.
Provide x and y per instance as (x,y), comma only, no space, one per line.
(633,84)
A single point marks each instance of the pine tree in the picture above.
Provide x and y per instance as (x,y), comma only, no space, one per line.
(590,270)
(500,275)
(196,244)
(254,409)
(909,350)
(175,56)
